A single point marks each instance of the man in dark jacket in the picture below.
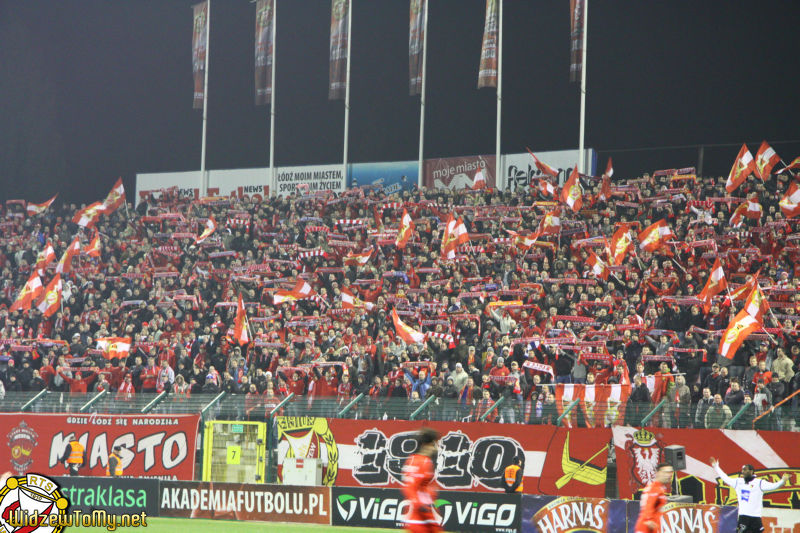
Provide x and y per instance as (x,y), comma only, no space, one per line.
(638,402)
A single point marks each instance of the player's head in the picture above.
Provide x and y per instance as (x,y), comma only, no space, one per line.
(664,472)
(427,436)
(747,471)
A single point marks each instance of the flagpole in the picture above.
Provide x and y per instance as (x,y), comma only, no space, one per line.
(422,94)
(203,174)
(347,87)
(497,174)
(272,180)
(581,155)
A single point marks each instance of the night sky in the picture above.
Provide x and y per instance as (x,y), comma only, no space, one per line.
(95,89)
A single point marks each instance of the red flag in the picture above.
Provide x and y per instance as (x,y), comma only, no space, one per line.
(87,217)
(544,168)
(551,223)
(791,166)
(605,189)
(50,301)
(301,291)
(742,292)
(487,72)
(716,284)
(406,332)
(93,248)
(65,265)
(350,301)
(241,330)
(565,395)
(480,180)
(597,266)
(756,304)
(115,198)
(455,234)
(545,187)
(114,347)
(359,259)
(46,256)
(209,228)
(654,236)
(742,167)
(571,193)
(523,242)
(738,330)
(406,230)
(30,292)
(790,203)
(609,169)
(35,209)
(766,159)
(621,242)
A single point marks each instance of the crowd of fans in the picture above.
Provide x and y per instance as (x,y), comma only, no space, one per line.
(176,300)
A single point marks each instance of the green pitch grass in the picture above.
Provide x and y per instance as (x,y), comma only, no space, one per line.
(185,525)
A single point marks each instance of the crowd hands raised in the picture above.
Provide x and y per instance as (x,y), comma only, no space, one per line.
(176,300)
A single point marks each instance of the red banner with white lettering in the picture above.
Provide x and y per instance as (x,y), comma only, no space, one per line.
(487,73)
(772,454)
(160,446)
(471,456)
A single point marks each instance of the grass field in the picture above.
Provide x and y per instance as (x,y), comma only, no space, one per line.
(181,525)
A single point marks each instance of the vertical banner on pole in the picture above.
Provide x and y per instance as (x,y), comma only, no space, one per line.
(416,37)
(264,51)
(200,26)
(340,13)
(576,11)
(487,74)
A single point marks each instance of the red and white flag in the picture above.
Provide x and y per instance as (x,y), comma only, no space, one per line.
(93,248)
(544,168)
(742,292)
(301,291)
(609,169)
(241,329)
(479,182)
(749,209)
(50,301)
(209,228)
(654,236)
(621,242)
(35,209)
(46,256)
(406,230)
(30,291)
(716,284)
(114,347)
(605,189)
(65,265)
(551,223)
(87,217)
(571,194)
(790,203)
(742,167)
(766,159)
(566,395)
(115,198)
(351,301)
(455,234)
(359,259)
(738,330)
(523,242)
(756,304)
(597,266)
(406,332)
(794,165)
(546,188)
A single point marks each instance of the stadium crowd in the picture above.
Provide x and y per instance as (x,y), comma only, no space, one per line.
(164,302)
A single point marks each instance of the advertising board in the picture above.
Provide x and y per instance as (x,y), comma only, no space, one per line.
(390,177)
(519,169)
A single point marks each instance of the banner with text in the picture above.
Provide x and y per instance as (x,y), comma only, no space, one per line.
(263,52)
(519,169)
(248,502)
(388,178)
(159,446)
(487,72)
(340,10)
(416,36)
(199,30)
(319,178)
(251,183)
(772,454)
(472,456)
(458,172)
(456,511)
(118,495)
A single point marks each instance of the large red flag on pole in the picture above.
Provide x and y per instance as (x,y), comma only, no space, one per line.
(738,330)
(742,167)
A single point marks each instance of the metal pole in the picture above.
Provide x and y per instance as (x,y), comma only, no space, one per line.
(738,415)
(652,413)
(566,412)
(494,406)
(272,181)
(203,174)
(210,404)
(422,94)
(581,154)
(33,400)
(350,405)
(347,87)
(155,401)
(497,174)
(422,407)
(92,401)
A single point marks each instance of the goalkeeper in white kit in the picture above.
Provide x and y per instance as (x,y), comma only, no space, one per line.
(750,493)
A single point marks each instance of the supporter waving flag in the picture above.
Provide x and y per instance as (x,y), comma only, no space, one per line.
(744,291)
(544,168)
(790,203)
(756,304)
(654,236)
(36,209)
(359,259)
(65,265)
(738,330)
(301,291)
(551,223)
(455,234)
(571,194)
(546,188)
(766,159)
(30,292)
(598,267)
(114,347)
(210,227)
(93,248)
(716,284)
(46,256)
(88,216)
(605,189)
(406,230)
(621,243)
(794,165)
(406,332)
(742,167)
(350,301)
(115,198)
(50,300)
(609,169)
(479,182)
(241,328)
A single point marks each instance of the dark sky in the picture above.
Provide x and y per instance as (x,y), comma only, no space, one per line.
(95,89)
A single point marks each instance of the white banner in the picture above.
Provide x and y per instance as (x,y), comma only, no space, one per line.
(252,183)
(318,178)
(518,169)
